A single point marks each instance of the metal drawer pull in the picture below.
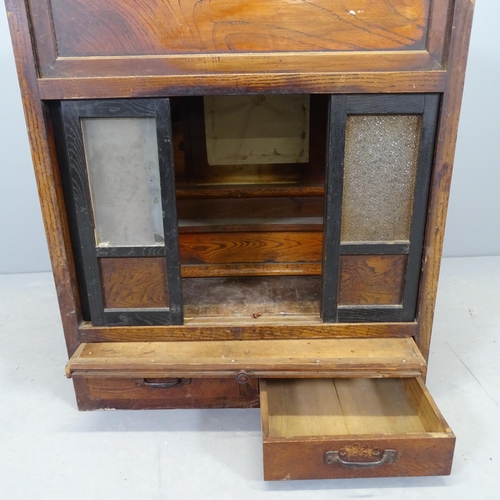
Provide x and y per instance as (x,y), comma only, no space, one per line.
(334,458)
(141,382)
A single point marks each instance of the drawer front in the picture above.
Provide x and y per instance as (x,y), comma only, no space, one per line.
(139,393)
(349,428)
(117,28)
(357,457)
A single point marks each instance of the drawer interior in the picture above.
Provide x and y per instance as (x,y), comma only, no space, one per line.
(346,428)
(326,407)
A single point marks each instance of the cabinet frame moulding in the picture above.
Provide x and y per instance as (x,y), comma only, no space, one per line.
(52,65)
(252,329)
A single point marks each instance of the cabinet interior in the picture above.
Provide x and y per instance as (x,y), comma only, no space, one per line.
(215,206)
(249,173)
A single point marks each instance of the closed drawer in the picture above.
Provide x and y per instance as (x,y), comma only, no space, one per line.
(349,428)
(164,393)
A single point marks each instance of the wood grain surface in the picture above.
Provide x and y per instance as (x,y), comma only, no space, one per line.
(246,247)
(371,279)
(124,393)
(442,171)
(273,358)
(134,282)
(136,27)
(360,418)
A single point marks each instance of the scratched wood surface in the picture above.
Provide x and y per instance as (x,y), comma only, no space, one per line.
(271,358)
(126,394)
(251,297)
(138,27)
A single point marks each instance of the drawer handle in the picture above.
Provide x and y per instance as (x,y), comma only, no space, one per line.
(334,458)
(142,382)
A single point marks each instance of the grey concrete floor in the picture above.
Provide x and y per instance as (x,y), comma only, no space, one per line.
(50,450)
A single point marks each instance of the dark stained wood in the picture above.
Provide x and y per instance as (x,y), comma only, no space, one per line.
(341,107)
(334,183)
(273,358)
(283,327)
(117,28)
(425,157)
(386,248)
(246,247)
(385,104)
(249,225)
(298,431)
(49,184)
(124,393)
(134,282)
(249,191)
(202,208)
(371,279)
(441,174)
(100,87)
(71,113)
(157,251)
(373,313)
(315,171)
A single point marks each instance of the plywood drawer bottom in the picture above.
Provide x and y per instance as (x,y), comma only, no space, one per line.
(138,393)
(349,428)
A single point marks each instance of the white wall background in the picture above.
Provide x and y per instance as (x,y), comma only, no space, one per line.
(474,217)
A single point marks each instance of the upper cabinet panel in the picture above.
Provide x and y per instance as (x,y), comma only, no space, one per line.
(207,44)
(137,27)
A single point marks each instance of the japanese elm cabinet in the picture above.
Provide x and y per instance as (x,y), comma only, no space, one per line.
(245,203)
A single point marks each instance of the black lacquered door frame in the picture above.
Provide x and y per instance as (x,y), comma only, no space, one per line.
(71,139)
(340,107)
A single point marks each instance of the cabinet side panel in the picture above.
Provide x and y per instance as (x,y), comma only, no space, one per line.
(443,165)
(47,177)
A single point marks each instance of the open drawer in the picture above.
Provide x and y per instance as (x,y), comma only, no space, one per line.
(349,428)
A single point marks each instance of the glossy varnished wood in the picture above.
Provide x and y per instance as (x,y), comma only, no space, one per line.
(362,28)
(189,26)
(302,420)
(273,358)
(246,247)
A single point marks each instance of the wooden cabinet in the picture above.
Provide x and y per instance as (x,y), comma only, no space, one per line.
(247,199)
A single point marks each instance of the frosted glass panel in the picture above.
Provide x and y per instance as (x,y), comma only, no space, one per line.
(380,165)
(257,129)
(122,163)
